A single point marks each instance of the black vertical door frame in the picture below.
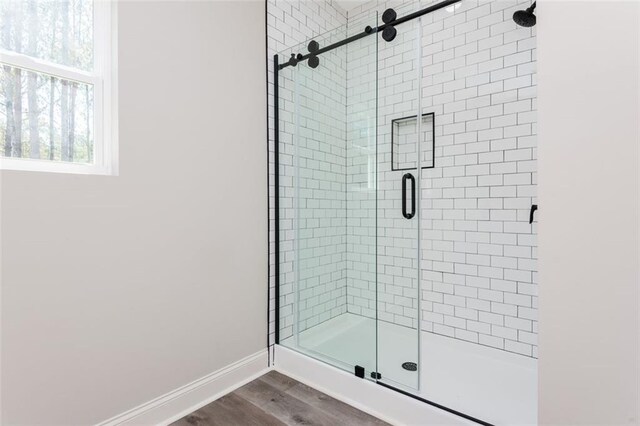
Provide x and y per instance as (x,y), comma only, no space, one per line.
(276,194)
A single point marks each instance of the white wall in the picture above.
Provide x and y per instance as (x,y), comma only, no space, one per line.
(116,290)
(588,166)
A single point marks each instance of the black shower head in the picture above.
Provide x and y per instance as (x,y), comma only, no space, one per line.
(525,18)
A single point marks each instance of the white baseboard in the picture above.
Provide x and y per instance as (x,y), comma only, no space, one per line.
(383,403)
(364,395)
(192,396)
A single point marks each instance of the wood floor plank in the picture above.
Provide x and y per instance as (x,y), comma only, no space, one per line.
(347,414)
(279,380)
(259,392)
(294,412)
(276,400)
(229,410)
(283,406)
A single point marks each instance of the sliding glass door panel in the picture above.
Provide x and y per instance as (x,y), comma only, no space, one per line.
(327,200)
(403,137)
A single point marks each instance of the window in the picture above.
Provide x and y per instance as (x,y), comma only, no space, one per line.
(57,86)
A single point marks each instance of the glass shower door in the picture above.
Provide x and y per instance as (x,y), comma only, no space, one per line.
(327,185)
(405,147)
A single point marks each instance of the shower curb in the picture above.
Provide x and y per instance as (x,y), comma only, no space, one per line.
(365,395)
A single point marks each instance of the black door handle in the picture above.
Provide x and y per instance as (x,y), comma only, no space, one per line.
(404,196)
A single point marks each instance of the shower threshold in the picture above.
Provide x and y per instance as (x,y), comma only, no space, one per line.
(486,383)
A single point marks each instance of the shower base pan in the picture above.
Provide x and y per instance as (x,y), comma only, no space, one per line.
(485,383)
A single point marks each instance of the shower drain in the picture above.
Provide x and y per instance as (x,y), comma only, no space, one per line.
(410,366)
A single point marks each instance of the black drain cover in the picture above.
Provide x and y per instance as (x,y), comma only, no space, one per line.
(410,366)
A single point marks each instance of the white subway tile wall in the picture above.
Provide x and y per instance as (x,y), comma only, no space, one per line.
(312,105)
(360,116)
(478,250)
(395,247)
(312,160)
(312,186)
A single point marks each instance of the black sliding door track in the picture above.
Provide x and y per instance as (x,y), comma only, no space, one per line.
(368,31)
(435,404)
(292,62)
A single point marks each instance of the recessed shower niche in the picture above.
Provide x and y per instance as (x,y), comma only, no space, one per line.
(404,253)
(403,142)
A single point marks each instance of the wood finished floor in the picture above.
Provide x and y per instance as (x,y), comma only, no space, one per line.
(275,399)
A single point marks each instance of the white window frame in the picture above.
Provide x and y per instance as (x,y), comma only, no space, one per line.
(103,78)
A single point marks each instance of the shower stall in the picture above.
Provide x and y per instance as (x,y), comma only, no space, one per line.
(405,198)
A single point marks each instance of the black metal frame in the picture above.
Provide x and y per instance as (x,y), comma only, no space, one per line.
(266,49)
(292,62)
(435,404)
(433,141)
(276,195)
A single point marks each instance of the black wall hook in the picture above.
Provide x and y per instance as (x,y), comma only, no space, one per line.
(534,207)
